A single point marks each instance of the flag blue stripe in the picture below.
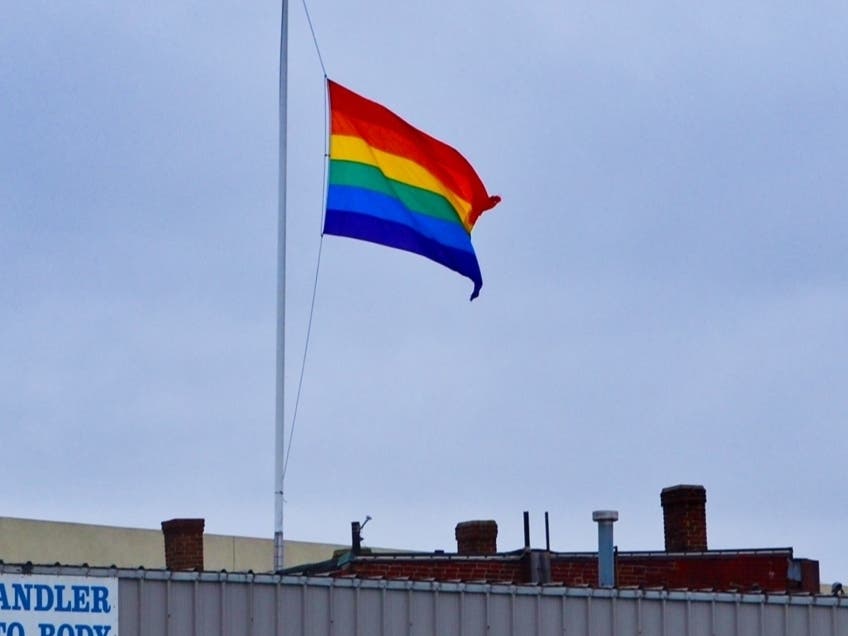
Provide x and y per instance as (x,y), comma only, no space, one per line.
(368,202)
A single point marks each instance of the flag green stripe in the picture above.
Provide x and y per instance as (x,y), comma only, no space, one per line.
(350,173)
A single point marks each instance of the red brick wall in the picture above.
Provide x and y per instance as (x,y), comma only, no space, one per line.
(745,572)
(183,544)
(441,569)
(765,571)
(810,581)
(574,570)
(684,518)
(475,538)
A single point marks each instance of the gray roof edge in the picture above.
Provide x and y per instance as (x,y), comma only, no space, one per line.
(423,586)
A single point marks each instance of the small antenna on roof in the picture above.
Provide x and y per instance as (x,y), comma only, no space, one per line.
(356,534)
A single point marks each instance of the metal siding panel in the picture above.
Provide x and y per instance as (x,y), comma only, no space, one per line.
(264,615)
(208,611)
(600,617)
(176,604)
(524,621)
(498,615)
(749,619)
(181,608)
(317,611)
(447,614)
(700,619)
(344,611)
(550,614)
(674,618)
(128,607)
(422,615)
(235,606)
(797,621)
(652,616)
(625,616)
(370,612)
(153,612)
(725,619)
(223,617)
(821,622)
(841,621)
(773,618)
(290,610)
(395,617)
(473,614)
(576,616)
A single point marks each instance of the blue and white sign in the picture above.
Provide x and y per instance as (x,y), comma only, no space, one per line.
(44,605)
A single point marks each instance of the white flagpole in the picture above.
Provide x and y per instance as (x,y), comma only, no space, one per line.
(279,442)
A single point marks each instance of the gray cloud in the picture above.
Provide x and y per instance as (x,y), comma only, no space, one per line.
(664,284)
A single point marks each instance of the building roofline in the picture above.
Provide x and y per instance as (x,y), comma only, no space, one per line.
(336,564)
(153,530)
(516,555)
(659,594)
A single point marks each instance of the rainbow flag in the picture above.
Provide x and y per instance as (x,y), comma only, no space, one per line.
(392,184)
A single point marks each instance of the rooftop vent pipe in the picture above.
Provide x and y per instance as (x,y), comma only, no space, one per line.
(355,537)
(606,557)
(526,530)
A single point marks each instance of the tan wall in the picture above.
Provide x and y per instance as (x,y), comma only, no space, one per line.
(48,542)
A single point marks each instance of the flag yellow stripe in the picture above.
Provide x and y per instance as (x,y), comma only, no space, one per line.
(349,148)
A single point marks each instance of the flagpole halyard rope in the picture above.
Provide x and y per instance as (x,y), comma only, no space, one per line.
(318,258)
(306,344)
(314,38)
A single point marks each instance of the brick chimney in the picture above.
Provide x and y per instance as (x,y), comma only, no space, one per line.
(685,518)
(477,538)
(183,544)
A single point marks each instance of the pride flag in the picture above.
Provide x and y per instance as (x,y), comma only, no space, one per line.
(390,183)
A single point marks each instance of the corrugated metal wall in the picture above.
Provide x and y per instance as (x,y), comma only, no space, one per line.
(158,603)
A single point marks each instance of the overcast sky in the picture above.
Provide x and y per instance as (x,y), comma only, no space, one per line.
(664,295)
